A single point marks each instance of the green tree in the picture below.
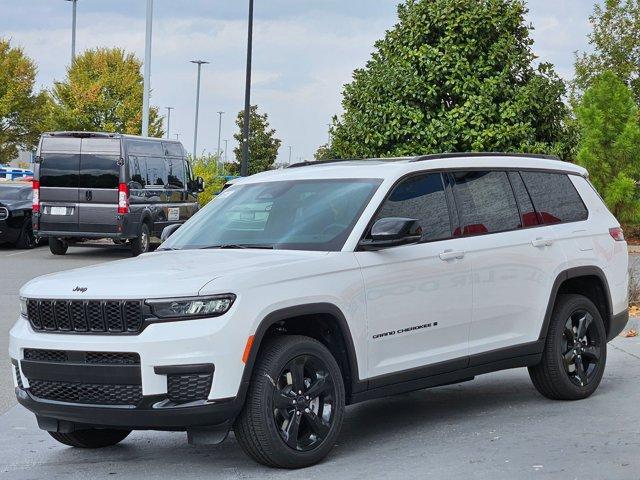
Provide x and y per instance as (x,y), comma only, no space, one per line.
(615,43)
(263,144)
(207,168)
(103,91)
(21,109)
(610,135)
(326,152)
(453,75)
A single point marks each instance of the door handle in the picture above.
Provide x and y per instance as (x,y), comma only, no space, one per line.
(88,195)
(451,255)
(542,242)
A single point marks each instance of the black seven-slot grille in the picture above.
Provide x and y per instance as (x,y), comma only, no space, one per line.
(92,316)
(96,358)
(86,393)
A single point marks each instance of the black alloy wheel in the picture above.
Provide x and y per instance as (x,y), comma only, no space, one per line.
(581,345)
(304,403)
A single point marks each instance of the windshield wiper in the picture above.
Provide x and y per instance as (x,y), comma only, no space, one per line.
(237,246)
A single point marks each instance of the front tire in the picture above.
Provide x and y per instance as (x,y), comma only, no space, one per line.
(575,352)
(58,246)
(295,404)
(91,438)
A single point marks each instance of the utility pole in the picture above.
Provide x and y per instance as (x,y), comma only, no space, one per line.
(290,148)
(169,120)
(244,166)
(195,132)
(219,132)
(147,70)
(226,143)
(177,136)
(73,29)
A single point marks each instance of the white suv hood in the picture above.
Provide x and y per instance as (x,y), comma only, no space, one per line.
(157,275)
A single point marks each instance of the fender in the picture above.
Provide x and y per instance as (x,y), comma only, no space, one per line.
(296,311)
(586,271)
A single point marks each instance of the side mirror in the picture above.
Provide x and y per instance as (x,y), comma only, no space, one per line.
(199,184)
(392,232)
(169,230)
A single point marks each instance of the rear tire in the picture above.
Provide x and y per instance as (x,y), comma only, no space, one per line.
(575,352)
(58,246)
(295,404)
(27,240)
(141,244)
(92,438)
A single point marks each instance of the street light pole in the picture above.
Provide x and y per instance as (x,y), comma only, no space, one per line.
(195,132)
(73,29)
(177,136)
(226,143)
(290,148)
(219,132)
(169,120)
(244,166)
(147,70)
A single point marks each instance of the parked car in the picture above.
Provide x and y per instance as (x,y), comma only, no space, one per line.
(297,292)
(14,173)
(15,215)
(96,185)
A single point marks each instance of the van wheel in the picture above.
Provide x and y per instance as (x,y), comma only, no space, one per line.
(575,352)
(91,438)
(58,246)
(27,239)
(295,404)
(141,244)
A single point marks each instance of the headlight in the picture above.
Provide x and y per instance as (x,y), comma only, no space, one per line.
(23,307)
(192,307)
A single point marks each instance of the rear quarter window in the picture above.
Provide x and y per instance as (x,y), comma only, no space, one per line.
(555,197)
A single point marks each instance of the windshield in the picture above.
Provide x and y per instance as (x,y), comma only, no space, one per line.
(295,215)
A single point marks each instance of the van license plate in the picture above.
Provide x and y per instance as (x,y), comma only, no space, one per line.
(58,210)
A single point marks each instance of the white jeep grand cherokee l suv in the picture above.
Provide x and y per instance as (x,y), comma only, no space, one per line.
(297,292)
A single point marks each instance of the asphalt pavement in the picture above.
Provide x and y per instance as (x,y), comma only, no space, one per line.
(495,427)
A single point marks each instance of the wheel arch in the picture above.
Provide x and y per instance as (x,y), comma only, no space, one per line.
(589,281)
(312,320)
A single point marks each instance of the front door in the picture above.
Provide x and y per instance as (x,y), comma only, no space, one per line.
(418,297)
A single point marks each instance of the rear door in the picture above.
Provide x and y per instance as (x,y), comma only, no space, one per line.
(100,174)
(58,170)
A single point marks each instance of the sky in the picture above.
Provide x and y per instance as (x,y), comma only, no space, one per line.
(304,53)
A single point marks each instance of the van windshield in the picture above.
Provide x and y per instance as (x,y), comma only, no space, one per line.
(295,215)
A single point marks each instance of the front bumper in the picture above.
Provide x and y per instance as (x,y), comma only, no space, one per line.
(171,345)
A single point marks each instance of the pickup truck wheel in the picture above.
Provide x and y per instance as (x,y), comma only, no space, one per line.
(141,244)
(91,438)
(58,246)
(27,239)
(295,404)
(575,352)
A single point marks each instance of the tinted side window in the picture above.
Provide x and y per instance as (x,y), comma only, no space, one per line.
(59,170)
(176,173)
(485,203)
(156,172)
(173,149)
(99,171)
(555,197)
(528,213)
(422,198)
(138,170)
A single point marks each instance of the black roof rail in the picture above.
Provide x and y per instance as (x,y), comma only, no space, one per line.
(439,156)
(340,160)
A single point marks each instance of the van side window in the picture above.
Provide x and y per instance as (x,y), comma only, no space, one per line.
(485,202)
(176,173)
(138,170)
(555,197)
(156,172)
(422,198)
(528,213)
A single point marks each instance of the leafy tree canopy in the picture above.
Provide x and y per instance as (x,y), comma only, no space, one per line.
(616,46)
(21,109)
(610,135)
(263,144)
(103,91)
(207,168)
(453,75)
